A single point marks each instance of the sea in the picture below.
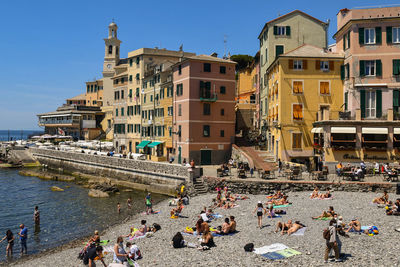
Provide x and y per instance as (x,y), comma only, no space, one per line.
(64,216)
(9,135)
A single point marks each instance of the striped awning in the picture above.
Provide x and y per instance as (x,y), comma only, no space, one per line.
(143,144)
(155,143)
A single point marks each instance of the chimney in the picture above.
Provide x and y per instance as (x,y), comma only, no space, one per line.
(214,54)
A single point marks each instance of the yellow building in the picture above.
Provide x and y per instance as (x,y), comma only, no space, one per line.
(304,85)
(94,93)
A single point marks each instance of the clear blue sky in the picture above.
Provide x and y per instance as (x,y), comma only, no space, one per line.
(50,48)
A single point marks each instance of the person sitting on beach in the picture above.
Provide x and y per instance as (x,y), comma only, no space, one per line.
(283,227)
(207,241)
(393,208)
(232,224)
(326,214)
(225,228)
(175,212)
(228,205)
(270,212)
(120,255)
(198,228)
(178,241)
(133,251)
(325,195)
(315,193)
(93,241)
(354,225)
(94,253)
(295,227)
(142,230)
(383,199)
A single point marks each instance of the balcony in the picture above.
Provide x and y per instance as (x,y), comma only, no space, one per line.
(208,96)
(58,122)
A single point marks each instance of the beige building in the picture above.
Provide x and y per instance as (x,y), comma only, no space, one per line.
(94,93)
(280,36)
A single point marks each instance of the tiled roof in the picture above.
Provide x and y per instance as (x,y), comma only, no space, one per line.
(78,97)
(211,58)
(307,50)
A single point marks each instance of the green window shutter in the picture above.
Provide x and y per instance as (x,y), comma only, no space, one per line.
(346,100)
(275,30)
(361,36)
(278,50)
(378,64)
(396,98)
(378,103)
(362,103)
(389,35)
(362,68)
(378,35)
(348,39)
(342,72)
(344,41)
(396,66)
(288,30)
(347,71)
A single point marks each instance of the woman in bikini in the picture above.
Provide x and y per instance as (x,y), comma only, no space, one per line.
(260,212)
(270,212)
(325,195)
(295,227)
(326,214)
(282,201)
(283,227)
(315,193)
(383,199)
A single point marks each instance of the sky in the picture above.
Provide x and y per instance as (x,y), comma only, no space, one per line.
(49,49)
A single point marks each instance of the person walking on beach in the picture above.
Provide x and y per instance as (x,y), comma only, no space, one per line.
(149,204)
(10,240)
(260,212)
(119,208)
(36,216)
(331,241)
(129,203)
(23,237)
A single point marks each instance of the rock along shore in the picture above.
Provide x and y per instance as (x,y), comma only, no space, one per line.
(360,250)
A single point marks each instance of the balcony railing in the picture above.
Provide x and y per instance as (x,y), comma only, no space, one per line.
(208,95)
(59,121)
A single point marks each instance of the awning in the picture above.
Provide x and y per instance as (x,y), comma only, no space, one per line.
(155,143)
(349,130)
(396,130)
(368,130)
(143,144)
(317,130)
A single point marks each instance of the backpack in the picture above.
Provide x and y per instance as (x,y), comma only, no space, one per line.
(157,226)
(326,234)
(249,247)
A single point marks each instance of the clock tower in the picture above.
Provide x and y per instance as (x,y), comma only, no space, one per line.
(111,56)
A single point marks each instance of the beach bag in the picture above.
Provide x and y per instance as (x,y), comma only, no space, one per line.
(249,247)
(157,226)
(326,234)
(82,254)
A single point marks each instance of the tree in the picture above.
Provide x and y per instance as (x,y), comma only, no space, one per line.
(243,61)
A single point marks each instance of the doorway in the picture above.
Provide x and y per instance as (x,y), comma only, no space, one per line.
(205,158)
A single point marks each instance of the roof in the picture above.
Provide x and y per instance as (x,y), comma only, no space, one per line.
(289,14)
(78,97)
(309,51)
(211,58)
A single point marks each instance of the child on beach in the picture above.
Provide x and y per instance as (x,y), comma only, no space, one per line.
(260,212)
(149,204)
(129,203)
(119,208)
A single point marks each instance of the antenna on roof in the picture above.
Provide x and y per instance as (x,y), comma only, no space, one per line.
(181,47)
(225,41)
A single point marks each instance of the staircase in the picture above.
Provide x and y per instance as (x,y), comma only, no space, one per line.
(103,134)
(199,186)
(262,159)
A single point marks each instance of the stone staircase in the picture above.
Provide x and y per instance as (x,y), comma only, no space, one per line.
(199,186)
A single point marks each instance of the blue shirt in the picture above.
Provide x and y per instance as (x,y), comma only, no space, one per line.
(24,232)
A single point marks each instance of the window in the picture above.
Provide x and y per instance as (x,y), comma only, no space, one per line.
(222,112)
(180,69)
(222,69)
(297,64)
(324,65)
(130,62)
(279,50)
(296,140)
(297,111)
(369,36)
(130,78)
(396,66)
(122,80)
(137,60)
(179,110)
(370,104)
(170,111)
(130,93)
(144,98)
(324,88)
(345,71)
(346,41)
(122,111)
(222,133)
(206,130)
(282,30)
(222,90)
(88,89)
(369,68)
(179,89)
(396,35)
(266,55)
(137,76)
(110,49)
(346,101)
(151,98)
(297,87)
(122,94)
(206,109)
(207,67)
(116,112)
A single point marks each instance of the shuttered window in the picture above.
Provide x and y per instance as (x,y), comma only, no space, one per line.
(396,66)
(296,140)
(297,111)
(346,101)
(297,87)
(279,50)
(324,88)
(396,94)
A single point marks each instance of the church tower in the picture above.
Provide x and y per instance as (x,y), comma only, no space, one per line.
(112,45)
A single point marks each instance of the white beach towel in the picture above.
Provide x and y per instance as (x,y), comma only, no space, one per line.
(270,248)
(301,231)
(204,217)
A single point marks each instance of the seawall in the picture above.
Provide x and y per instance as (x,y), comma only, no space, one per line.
(156,177)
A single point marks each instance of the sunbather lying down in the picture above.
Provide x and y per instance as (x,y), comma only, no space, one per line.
(288,227)
(326,214)
(277,202)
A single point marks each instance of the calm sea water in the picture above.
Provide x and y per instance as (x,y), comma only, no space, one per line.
(6,135)
(64,216)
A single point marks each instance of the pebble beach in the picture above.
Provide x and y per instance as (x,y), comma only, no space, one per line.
(358,249)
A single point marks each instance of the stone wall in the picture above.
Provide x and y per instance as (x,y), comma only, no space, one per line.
(268,187)
(241,156)
(161,176)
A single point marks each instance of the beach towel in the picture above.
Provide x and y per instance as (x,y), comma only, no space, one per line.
(276,216)
(324,219)
(216,215)
(154,212)
(204,217)
(282,206)
(289,252)
(104,242)
(270,248)
(273,256)
(301,231)
(218,235)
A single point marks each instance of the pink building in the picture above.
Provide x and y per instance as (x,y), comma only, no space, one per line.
(204,109)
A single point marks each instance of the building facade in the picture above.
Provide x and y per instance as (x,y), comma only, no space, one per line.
(204,109)
(94,93)
(304,86)
(280,36)
(79,100)
(369,128)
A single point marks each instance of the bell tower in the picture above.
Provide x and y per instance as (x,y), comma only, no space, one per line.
(111,53)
